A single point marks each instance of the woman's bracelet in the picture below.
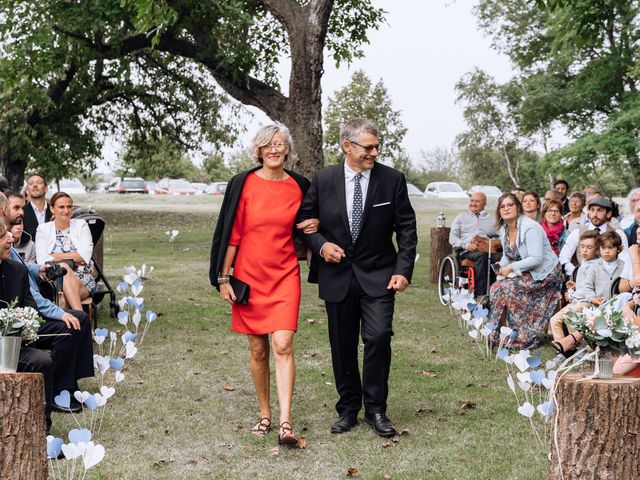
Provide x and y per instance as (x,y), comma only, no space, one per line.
(222,279)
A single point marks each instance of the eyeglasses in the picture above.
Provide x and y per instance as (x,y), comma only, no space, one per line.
(367,148)
(507,205)
(553,211)
(278,146)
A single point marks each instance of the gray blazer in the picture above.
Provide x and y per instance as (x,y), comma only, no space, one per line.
(596,281)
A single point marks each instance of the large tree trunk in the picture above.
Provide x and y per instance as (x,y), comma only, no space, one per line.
(23,446)
(597,430)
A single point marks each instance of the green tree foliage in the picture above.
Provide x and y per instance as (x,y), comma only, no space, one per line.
(360,98)
(158,158)
(577,64)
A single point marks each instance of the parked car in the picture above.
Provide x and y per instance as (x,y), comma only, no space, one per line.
(201,187)
(414,191)
(72,186)
(171,186)
(492,192)
(445,190)
(131,185)
(100,187)
(151,187)
(216,188)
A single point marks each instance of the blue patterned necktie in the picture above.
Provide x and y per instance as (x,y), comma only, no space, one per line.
(356,213)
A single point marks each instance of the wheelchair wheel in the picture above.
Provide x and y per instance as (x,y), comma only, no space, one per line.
(447,276)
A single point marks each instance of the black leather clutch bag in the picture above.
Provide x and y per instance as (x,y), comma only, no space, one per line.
(240,289)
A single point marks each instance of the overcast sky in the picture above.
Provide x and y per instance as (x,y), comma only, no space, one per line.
(420,53)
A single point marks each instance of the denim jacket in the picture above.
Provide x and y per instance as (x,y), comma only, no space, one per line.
(534,248)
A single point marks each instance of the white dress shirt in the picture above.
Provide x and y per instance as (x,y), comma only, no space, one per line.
(349,185)
(40,216)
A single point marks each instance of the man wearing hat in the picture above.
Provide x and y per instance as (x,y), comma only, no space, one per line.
(598,210)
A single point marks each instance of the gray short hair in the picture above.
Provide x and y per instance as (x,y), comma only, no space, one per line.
(264,136)
(356,127)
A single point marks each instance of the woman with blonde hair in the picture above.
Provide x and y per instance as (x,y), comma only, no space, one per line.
(255,235)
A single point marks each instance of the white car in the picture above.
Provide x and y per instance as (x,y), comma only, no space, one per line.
(72,186)
(445,190)
(489,190)
(413,191)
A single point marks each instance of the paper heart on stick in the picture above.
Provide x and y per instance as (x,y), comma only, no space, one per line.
(545,409)
(473,333)
(151,316)
(101,332)
(92,455)
(119,376)
(79,435)
(99,340)
(478,322)
(524,386)
(537,376)
(101,401)
(130,278)
(54,446)
(466,316)
(129,337)
(131,350)
(512,385)
(123,318)
(116,363)
(63,399)
(136,318)
(524,377)
(136,288)
(107,392)
(71,450)
(81,396)
(91,402)
(526,410)
(520,361)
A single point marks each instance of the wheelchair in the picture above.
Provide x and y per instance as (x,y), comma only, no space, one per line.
(455,272)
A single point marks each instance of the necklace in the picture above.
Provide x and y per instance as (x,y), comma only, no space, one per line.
(281,182)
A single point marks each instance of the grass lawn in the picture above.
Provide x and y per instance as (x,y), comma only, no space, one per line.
(172,418)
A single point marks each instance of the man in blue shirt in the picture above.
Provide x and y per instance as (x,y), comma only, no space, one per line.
(72,354)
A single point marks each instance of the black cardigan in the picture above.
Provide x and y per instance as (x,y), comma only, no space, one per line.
(227,216)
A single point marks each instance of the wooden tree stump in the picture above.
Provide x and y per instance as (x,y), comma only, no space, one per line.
(598,429)
(23,444)
(440,248)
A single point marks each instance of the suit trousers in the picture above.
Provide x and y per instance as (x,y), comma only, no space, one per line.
(72,355)
(373,316)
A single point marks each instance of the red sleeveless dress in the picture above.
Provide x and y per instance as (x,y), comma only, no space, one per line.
(266,258)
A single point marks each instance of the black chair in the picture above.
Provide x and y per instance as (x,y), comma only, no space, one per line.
(615,287)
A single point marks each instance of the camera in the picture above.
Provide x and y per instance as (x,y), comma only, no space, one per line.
(54,270)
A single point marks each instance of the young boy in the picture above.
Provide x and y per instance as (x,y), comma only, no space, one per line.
(592,288)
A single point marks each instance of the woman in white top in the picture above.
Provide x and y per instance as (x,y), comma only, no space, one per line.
(67,239)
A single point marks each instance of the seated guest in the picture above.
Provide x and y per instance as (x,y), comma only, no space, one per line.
(552,224)
(632,230)
(562,187)
(629,215)
(14,285)
(67,238)
(627,365)
(589,250)
(552,195)
(528,288)
(599,208)
(593,288)
(72,355)
(464,230)
(576,215)
(23,244)
(531,205)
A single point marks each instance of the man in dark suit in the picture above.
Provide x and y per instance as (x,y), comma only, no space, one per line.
(14,285)
(361,204)
(37,210)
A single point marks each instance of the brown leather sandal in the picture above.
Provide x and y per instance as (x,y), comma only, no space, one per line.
(262,427)
(286,435)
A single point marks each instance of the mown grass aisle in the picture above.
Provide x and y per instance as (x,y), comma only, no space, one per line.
(187,404)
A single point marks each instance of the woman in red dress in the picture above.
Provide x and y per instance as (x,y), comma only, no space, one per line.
(255,234)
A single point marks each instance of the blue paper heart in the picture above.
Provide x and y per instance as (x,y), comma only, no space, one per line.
(513,334)
(63,400)
(91,402)
(116,363)
(140,307)
(122,287)
(537,376)
(546,408)
(480,312)
(80,435)
(131,301)
(490,326)
(151,316)
(471,306)
(101,332)
(129,337)
(123,315)
(503,353)
(536,360)
(54,447)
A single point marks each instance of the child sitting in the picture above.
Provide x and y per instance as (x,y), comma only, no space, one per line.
(593,286)
(23,244)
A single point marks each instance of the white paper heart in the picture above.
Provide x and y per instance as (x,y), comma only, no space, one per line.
(113,335)
(545,409)
(136,289)
(466,316)
(131,350)
(71,450)
(93,455)
(139,300)
(478,322)
(520,361)
(107,392)
(119,376)
(473,334)
(130,277)
(99,340)
(524,377)
(512,386)
(81,396)
(100,400)
(524,386)
(136,318)
(526,410)
(505,332)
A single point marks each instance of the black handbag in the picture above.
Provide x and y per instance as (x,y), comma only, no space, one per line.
(240,289)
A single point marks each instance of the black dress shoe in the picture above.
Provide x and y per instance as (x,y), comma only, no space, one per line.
(380,424)
(344,424)
(74,407)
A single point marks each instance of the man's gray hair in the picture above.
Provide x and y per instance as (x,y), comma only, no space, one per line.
(264,136)
(356,127)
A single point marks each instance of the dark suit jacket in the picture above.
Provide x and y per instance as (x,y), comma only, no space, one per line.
(14,279)
(373,259)
(31,222)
